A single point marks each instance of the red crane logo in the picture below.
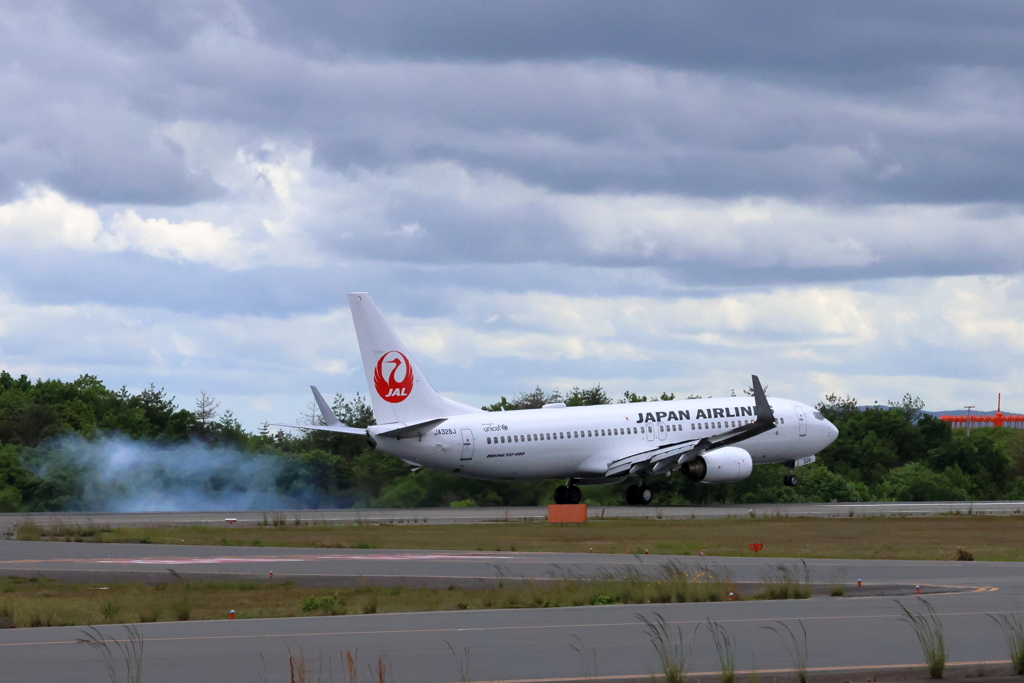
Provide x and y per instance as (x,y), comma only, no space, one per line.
(398,384)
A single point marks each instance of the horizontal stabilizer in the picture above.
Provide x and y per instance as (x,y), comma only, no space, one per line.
(338,428)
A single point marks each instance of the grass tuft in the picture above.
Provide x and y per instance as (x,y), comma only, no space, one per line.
(109,609)
(797,647)
(786,583)
(327,604)
(1013,634)
(380,671)
(128,651)
(182,608)
(7,615)
(371,604)
(461,662)
(351,666)
(673,655)
(589,666)
(297,667)
(726,649)
(150,615)
(928,629)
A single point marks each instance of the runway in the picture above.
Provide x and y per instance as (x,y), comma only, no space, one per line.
(499,514)
(527,644)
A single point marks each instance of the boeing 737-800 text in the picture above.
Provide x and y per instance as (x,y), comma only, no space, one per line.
(714,440)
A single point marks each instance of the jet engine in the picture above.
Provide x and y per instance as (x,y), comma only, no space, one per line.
(720,466)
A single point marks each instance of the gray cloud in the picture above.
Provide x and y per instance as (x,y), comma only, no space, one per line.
(827,39)
(818,103)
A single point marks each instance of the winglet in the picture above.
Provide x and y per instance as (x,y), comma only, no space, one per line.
(330,419)
(762,410)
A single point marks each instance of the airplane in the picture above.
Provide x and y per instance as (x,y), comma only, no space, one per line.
(712,441)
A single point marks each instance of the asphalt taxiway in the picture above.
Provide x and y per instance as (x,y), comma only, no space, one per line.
(526,644)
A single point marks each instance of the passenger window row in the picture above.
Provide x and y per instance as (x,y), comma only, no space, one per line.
(729,424)
(580,434)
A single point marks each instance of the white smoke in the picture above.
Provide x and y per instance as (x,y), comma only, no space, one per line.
(118,474)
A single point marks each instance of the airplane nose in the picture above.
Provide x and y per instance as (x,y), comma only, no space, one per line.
(833,431)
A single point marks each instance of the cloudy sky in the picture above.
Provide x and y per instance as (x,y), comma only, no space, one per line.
(655,196)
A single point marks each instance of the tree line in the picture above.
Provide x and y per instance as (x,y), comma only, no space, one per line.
(894,452)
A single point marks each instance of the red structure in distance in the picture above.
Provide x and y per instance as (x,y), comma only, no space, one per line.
(999,419)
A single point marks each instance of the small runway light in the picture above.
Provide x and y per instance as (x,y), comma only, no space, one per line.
(858,583)
(231,614)
(917,590)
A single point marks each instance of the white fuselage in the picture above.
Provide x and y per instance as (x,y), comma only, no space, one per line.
(580,442)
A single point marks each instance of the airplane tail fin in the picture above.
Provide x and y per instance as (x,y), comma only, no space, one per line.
(398,390)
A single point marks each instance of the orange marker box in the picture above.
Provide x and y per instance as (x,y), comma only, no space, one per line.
(567,514)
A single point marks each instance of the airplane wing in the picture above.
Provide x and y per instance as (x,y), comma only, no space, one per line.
(672,455)
(648,460)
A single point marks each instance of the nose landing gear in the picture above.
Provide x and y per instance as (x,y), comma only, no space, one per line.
(639,495)
(790,479)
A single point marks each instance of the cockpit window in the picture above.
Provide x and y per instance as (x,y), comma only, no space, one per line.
(818,415)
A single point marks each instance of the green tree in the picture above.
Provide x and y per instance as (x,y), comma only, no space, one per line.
(594,396)
(915,482)
(838,409)
(872,442)
(526,400)
(355,412)
(79,416)
(15,480)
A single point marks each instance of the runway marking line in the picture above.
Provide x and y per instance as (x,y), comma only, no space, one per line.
(471,628)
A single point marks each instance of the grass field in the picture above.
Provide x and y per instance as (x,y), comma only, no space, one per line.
(905,538)
(31,602)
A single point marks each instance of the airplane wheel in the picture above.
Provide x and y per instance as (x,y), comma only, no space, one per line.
(561,495)
(789,480)
(574,495)
(646,495)
(632,495)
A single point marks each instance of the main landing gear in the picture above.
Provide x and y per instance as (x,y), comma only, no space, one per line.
(569,494)
(639,495)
